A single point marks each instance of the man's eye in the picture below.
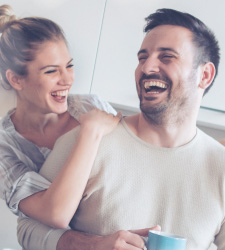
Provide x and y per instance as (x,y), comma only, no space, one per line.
(142,58)
(168,56)
(50,71)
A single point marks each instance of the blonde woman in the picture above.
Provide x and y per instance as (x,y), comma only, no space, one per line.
(35,62)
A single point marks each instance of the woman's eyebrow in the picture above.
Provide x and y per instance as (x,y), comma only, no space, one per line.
(70,61)
(47,66)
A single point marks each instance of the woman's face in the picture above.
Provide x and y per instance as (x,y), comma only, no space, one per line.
(50,76)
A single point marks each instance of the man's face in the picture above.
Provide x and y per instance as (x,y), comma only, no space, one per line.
(165,76)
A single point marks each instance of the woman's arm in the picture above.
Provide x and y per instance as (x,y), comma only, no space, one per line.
(57,205)
(19,176)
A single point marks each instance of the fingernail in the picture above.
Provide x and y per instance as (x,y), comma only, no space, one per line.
(120,114)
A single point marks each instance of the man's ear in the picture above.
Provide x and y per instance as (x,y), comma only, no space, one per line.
(14,79)
(208,74)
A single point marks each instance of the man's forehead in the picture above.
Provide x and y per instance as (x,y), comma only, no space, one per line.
(168,28)
(167,37)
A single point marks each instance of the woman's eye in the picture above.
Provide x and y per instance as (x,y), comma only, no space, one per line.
(70,66)
(50,71)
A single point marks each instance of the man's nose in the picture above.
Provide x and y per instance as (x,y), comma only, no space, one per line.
(150,65)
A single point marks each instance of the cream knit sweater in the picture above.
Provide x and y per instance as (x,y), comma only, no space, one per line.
(136,185)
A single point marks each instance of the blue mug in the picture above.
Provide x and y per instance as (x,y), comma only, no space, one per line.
(158,240)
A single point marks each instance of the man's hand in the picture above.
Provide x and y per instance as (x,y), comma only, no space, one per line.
(124,240)
(121,240)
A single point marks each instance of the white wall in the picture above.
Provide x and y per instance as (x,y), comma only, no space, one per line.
(108,70)
(121,38)
(111,73)
(81,21)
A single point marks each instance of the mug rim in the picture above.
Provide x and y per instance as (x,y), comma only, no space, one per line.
(167,235)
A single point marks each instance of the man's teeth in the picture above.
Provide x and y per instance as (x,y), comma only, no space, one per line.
(155,83)
(60,93)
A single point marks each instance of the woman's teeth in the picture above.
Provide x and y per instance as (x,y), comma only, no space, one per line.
(60,93)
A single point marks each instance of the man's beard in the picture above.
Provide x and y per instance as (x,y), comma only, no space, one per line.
(154,114)
(174,109)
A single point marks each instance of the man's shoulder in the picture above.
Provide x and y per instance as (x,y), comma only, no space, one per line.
(211,142)
(79,104)
(212,148)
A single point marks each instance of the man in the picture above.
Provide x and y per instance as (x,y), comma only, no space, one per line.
(156,168)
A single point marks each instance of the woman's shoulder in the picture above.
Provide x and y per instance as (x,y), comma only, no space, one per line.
(6,124)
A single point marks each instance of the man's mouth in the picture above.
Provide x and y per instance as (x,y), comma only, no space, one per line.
(155,86)
(60,94)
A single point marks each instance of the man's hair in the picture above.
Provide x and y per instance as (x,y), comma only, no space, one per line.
(203,38)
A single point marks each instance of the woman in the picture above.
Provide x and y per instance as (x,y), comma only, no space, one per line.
(35,62)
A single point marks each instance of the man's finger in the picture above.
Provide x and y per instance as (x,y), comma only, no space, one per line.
(144,232)
(135,240)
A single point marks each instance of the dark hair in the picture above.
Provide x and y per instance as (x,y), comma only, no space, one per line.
(207,45)
(21,38)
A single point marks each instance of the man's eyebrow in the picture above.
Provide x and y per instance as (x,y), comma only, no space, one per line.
(55,66)
(142,51)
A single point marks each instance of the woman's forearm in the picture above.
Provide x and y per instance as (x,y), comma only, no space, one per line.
(56,205)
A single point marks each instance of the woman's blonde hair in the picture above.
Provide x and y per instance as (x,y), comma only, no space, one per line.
(6,16)
(21,38)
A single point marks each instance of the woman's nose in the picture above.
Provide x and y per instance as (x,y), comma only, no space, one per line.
(66,78)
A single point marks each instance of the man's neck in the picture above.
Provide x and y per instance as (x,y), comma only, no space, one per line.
(166,135)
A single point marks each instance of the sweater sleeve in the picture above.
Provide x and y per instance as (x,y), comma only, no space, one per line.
(33,235)
(18,174)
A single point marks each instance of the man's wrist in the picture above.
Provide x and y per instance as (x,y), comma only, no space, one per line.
(74,240)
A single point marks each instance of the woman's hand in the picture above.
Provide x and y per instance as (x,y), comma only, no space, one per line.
(222,142)
(100,121)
